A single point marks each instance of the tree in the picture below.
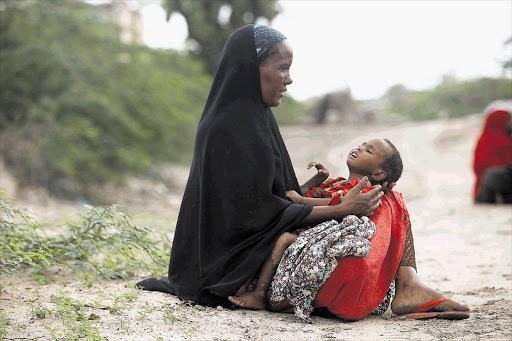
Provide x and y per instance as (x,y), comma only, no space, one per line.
(79,108)
(210,22)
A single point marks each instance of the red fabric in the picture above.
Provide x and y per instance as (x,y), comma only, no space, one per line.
(335,188)
(494,147)
(358,285)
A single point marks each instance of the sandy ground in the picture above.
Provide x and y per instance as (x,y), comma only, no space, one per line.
(463,250)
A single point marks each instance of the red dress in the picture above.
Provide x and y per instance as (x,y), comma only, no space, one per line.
(494,147)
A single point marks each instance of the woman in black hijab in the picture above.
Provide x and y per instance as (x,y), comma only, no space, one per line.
(234,206)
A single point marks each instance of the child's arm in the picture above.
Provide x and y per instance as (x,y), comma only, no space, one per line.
(317,179)
(298,199)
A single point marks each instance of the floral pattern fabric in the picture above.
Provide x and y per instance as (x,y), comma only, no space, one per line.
(384,305)
(309,261)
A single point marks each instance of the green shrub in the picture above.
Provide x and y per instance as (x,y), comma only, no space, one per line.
(20,241)
(78,108)
(105,243)
(290,111)
(449,99)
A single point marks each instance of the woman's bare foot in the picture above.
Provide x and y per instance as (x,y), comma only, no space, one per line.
(250,300)
(411,293)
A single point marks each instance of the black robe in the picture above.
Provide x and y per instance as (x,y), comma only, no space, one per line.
(234,206)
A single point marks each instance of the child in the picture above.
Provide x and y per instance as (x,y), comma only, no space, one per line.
(377,159)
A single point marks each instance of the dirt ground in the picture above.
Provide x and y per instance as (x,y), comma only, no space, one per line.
(463,250)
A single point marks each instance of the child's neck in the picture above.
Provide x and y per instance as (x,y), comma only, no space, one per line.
(354,175)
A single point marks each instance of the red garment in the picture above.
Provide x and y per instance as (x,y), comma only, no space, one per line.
(358,285)
(335,188)
(494,147)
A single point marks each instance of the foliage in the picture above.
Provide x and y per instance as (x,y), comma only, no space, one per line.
(290,111)
(19,241)
(209,27)
(451,98)
(78,108)
(73,314)
(5,321)
(108,242)
(172,313)
(105,243)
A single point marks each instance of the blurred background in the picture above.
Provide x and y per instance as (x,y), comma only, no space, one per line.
(100,96)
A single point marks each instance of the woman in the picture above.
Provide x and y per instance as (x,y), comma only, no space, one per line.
(493,159)
(234,206)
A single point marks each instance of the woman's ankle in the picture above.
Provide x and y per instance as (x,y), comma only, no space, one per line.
(407,278)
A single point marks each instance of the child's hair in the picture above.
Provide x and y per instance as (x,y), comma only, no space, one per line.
(393,165)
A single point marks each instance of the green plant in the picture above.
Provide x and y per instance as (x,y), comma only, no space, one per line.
(145,312)
(290,111)
(88,279)
(172,314)
(5,321)
(38,311)
(190,333)
(119,303)
(77,322)
(19,241)
(451,98)
(105,243)
(79,108)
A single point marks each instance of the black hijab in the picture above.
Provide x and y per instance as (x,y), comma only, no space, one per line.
(234,206)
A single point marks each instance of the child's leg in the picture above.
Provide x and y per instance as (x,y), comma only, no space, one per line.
(256,298)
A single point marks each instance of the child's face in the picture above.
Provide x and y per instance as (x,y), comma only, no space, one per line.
(366,158)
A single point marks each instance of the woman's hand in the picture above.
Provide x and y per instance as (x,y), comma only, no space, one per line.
(322,171)
(294,197)
(361,204)
(386,187)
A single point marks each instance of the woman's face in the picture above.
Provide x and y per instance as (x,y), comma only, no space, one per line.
(275,74)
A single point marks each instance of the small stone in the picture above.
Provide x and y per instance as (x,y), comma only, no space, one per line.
(219,308)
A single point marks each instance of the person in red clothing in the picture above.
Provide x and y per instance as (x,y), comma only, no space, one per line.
(493,159)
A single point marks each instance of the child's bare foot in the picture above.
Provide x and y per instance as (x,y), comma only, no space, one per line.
(250,300)
(243,289)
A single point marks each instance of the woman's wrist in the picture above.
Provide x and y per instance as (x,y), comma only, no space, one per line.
(341,210)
